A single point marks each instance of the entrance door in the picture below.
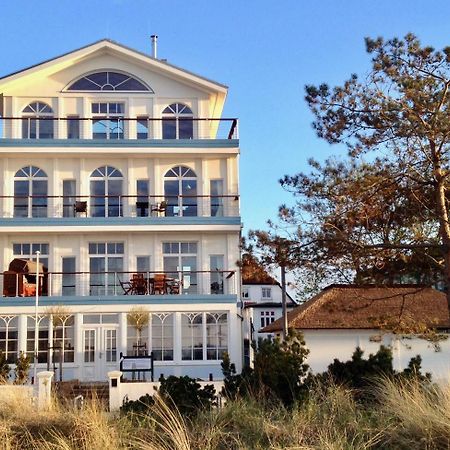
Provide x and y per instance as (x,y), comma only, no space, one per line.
(100,353)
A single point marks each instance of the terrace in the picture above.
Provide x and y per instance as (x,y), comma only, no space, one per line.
(111,130)
(127,206)
(127,286)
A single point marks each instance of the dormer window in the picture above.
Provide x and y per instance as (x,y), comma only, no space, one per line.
(177,122)
(109,81)
(37,121)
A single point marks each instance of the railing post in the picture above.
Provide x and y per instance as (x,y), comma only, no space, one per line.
(115,283)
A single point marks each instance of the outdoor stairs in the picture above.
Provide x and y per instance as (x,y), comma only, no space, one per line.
(71,390)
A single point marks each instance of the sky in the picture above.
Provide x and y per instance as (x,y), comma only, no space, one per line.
(266,51)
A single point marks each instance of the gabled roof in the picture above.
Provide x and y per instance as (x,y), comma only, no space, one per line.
(115,46)
(369,307)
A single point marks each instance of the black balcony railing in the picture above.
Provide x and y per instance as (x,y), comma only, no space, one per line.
(119,206)
(102,284)
(117,128)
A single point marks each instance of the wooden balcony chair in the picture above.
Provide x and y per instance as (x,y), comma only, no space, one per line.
(80,207)
(126,286)
(160,283)
(160,208)
(138,284)
(174,286)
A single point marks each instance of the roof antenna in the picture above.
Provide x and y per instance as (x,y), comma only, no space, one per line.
(154,39)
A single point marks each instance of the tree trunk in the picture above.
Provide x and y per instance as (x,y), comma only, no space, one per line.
(442,213)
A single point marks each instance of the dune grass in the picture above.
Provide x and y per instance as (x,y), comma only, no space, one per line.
(405,415)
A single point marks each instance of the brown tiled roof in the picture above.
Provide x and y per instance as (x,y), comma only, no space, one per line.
(363,307)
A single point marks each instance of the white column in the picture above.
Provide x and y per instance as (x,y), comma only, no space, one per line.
(235,339)
(177,338)
(22,333)
(78,345)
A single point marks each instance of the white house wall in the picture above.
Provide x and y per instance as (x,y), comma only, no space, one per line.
(327,345)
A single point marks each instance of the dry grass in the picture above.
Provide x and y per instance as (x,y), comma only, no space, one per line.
(408,416)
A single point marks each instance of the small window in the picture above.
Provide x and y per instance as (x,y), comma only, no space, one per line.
(245,292)
(267,317)
(266,292)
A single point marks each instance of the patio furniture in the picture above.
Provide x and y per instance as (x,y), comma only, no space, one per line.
(173,286)
(126,286)
(160,208)
(138,284)
(142,208)
(12,284)
(160,283)
(20,279)
(80,207)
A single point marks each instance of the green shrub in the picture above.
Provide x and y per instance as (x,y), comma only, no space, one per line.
(22,368)
(140,406)
(185,393)
(279,371)
(4,368)
(359,374)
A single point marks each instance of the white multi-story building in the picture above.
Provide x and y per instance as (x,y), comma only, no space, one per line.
(118,168)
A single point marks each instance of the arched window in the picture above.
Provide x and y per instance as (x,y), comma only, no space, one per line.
(108,80)
(180,190)
(30,192)
(37,121)
(177,122)
(106,192)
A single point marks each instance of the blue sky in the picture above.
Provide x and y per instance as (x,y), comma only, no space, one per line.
(265,51)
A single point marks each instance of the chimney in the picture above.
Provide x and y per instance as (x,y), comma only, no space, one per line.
(154,39)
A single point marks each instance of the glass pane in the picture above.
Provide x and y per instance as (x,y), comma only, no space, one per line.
(143,264)
(68,276)
(89,346)
(189,268)
(99,129)
(142,129)
(21,198)
(73,129)
(97,279)
(189,192)
(69,192)
(142,200)
(91,318)
(216,189)
(98,198)
(46,128)
(171,192)
(217,276)
(39,200)
(116,128)
(114,198)
(186,128)
(169,129)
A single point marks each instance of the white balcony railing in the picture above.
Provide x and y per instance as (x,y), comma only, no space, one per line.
(110,284)
(119,206)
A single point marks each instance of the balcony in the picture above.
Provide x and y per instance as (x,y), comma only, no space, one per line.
(110,131)
(128,287)
(118,206)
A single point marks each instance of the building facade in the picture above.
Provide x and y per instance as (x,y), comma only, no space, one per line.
(119,170)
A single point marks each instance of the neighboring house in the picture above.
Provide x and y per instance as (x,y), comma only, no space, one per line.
(261,301)
(342,317)
(117,167)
